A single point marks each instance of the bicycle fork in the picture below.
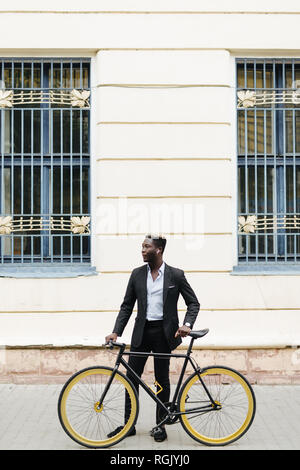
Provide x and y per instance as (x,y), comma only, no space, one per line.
(215,405)
(115,370)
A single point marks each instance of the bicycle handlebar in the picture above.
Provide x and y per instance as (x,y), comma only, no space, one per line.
(111,344)
(193,334)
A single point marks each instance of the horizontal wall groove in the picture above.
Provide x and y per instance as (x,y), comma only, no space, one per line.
(165,233)
(225,123)
(160,85)
(163,197)
(173,159)
(107,310)
(104,49)
(185,270)
(148,12)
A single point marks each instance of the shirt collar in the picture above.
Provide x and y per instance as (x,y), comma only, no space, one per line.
(161,269)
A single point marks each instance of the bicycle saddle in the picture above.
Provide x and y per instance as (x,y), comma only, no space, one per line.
(199,333)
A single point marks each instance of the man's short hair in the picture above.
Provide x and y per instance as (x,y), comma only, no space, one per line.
(159,240)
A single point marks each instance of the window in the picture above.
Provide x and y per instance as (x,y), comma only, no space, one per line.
(268,121)
(45,161)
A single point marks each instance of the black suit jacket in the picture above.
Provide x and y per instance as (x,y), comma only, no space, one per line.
(175,283)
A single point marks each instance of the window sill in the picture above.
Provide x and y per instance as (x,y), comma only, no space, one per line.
(50,271)
(266,270)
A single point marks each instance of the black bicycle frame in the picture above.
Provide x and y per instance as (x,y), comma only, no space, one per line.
(188,359)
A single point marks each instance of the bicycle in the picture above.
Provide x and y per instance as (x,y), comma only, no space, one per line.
(215,405)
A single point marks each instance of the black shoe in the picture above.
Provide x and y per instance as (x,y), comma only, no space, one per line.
(159,433)
(119,429)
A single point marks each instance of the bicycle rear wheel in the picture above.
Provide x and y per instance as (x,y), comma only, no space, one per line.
(236,406)
(79,412)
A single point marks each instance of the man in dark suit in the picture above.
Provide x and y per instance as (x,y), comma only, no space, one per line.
(156,287)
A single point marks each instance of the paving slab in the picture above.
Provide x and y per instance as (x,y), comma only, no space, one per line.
(29,421)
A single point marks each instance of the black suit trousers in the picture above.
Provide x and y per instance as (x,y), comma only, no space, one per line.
(153,340)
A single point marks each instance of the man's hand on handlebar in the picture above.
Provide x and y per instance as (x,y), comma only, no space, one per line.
(182,331)
(112,337)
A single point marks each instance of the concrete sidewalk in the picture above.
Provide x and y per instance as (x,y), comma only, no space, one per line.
(29,421)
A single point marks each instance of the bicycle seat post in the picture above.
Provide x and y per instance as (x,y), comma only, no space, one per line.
(189,350)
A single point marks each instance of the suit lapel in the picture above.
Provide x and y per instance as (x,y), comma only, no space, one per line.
(167,282)
(144,285)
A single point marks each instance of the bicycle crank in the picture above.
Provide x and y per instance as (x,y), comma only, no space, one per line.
(162,414)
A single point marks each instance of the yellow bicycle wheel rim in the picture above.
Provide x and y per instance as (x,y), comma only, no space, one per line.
(231,437)
(82,439)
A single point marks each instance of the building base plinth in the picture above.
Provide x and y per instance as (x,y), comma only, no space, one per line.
(52,364)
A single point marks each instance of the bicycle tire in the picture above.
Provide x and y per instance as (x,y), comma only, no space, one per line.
(86,386)
(236,400)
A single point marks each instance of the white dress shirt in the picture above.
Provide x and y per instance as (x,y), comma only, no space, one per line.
(155,294)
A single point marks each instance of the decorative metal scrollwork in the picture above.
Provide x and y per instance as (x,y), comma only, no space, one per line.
(252,223)
(247,225)
(6,97)
(76,225)
(249,98)
(74,98)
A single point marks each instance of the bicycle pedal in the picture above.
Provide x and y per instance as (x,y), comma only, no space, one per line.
(152,432)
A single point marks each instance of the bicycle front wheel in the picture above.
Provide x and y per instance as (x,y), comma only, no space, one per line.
(233,415)
(81,416)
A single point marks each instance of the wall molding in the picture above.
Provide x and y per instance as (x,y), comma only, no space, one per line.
(148,12)
(203,309)
(160,85)
(163,197)
(225,123)
(170,233)
(173,159)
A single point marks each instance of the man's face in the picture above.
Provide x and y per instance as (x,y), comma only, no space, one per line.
(149,250)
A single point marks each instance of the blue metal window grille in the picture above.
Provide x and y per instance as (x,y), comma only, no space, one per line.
(268,122)
(45,161)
